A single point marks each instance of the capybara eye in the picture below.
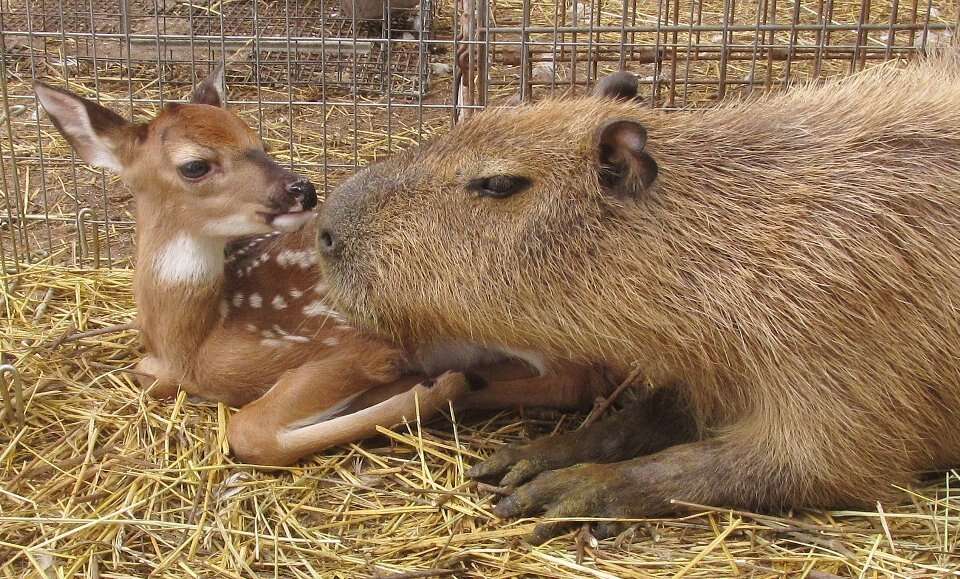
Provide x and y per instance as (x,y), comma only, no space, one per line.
(499,186)
(194,169)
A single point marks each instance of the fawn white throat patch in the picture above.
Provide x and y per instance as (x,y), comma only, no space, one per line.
(186,259)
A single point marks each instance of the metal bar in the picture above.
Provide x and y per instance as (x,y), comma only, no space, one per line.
(526,66)
(256,64)
(655,90)
(770,17)
(725,38)
(277,42)
(289,49)
(839,27)
(23,251)
(672,96)
(7,113)
(794,30)
(891,29)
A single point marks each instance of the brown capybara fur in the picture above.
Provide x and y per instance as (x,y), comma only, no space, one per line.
(789,267)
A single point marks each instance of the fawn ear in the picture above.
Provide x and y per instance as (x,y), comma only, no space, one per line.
(210,91)
(625,168)
(98,134)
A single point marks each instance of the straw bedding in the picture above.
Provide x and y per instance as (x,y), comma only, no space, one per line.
(103,481)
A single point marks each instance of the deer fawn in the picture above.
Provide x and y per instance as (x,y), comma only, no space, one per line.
(231,303)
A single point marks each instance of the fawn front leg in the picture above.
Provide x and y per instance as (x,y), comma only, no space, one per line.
(310,409)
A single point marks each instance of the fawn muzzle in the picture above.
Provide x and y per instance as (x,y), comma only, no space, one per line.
(303,192)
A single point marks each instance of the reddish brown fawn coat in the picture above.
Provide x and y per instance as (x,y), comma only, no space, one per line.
(231,305)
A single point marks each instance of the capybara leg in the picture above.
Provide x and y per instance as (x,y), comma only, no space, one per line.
(729,471)
(648,426)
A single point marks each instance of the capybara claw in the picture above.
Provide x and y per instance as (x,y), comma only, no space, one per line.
(518,463)
(588,490)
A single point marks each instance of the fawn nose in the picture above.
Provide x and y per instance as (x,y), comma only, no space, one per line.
(304,191)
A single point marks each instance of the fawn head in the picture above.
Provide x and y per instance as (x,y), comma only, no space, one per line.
(195,164)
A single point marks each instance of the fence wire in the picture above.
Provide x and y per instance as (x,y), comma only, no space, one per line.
(334,86)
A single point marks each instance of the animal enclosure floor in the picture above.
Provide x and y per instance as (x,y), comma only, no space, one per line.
(102,481)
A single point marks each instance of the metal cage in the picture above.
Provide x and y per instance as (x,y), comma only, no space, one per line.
(330,92)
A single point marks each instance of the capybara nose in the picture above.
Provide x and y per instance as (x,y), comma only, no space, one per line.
(327,242)
(304,191)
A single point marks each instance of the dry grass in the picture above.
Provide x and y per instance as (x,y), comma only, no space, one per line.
(103,480)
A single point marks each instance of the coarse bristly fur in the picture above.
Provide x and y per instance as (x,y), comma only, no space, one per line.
(794,268)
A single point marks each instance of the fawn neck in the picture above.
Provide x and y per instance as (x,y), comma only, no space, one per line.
(178,285)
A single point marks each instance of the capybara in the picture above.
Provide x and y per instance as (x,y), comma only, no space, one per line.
(786,270)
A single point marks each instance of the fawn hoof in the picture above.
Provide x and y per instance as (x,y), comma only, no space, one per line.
(253,444)
(150,378)
(435,393)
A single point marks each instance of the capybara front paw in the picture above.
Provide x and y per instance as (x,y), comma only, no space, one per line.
(586,490)
(517,463)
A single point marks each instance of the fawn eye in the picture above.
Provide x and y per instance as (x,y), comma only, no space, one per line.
(194,169)
(499,186)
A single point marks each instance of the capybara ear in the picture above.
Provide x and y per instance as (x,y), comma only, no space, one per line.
(210,91)
(98,134)
(620,85)
(625,168)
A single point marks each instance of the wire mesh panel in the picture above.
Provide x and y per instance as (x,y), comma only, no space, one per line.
(327,88)
(333,86)
(691,52)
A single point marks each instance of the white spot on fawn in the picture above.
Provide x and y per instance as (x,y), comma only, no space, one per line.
(255,301)
(188,259)
(237,300)
(296,294)
(279,303)
(251,328)
(268,334)
(331,342)
(271,343)
(302,259)
(299,339)
(224,308)
(321,288)
(342,327)
(285,257)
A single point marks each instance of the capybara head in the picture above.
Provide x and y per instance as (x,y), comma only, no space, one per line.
(512,200)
